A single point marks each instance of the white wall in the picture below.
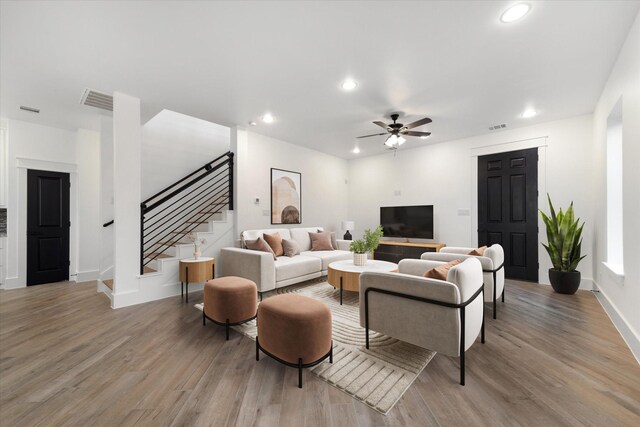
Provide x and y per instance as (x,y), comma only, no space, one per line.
(88,241)
(174,145)
(623,294)
(31,146)
(443,175)
(324,186)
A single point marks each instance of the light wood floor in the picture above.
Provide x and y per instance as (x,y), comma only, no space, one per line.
(68,359)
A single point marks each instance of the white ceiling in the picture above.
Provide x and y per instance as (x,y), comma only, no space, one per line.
(230,62)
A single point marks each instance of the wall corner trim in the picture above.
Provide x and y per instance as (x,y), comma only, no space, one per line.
(629,335)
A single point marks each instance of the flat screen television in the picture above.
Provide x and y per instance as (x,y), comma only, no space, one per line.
(407,221)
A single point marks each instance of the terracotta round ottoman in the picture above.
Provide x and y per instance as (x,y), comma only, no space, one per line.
(230,301)
(294,330)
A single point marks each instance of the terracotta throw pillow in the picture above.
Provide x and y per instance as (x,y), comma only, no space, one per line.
(275,241)
(441,272)
(321,241)
(478,252)
(334,242)
(291,248)
(259,245)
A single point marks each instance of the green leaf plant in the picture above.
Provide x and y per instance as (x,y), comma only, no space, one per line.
(369,243)
(564,238)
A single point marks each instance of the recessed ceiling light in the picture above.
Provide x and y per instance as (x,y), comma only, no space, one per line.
(528,113)
(253,124)
(515,12)
(355,150)
(268,118)
(349,84)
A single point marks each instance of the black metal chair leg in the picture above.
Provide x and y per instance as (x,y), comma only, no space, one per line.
(462,368)
(331,353)
(482,330)
(226,327)
(462,332)
(340,290)
(495,287)
(257,350)
(299,373)
(204,317)
(503,293)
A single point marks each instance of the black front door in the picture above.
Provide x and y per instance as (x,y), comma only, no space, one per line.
(508,209)
(47,227)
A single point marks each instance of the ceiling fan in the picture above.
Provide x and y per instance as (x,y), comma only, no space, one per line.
(396,131)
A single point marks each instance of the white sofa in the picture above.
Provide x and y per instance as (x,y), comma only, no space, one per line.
(492,266)
(444,316)
(269,274)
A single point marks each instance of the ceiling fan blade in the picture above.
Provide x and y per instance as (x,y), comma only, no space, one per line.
(418,123)
(375,134)
(414,133)
(382,125)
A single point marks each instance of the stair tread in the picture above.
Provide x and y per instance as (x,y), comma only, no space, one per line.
(158,255)
(108,283)
(148,269)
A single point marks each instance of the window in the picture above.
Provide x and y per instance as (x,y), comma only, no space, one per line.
(614,191)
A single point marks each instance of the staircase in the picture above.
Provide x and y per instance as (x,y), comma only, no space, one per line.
(199,206)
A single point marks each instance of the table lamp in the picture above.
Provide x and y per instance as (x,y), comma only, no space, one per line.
(348,225)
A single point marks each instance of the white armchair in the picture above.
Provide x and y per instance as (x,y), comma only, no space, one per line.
(492,266)
(444,316)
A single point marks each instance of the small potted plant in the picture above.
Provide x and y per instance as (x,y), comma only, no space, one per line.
(369,243)
(564,246)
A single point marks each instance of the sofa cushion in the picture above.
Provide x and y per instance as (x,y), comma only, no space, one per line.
(290,248)
(441,272)
(301,235)
(290,268)
(275,241)
(321,241)
(478,252)
(334,239)
(327,257)
(259,245)
(254,234)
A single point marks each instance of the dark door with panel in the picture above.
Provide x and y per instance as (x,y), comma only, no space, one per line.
(508,209)
(47,227)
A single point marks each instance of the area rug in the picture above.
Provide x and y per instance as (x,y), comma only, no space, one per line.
(378,377)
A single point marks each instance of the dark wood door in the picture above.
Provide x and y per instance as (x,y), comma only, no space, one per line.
(47,227)
(508,209)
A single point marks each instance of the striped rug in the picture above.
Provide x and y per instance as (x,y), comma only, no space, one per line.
(377,377)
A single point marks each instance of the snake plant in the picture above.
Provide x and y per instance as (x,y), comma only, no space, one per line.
(563,238)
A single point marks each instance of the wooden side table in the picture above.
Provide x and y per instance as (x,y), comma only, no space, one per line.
(196,270)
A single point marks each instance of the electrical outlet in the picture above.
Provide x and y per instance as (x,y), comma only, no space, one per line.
(463,212)
(397,193)
(265,212)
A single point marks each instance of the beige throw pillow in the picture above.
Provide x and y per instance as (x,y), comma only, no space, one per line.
(291,248)
(334,242)
(441,272)
(259,245)
(275,242)
(321,241)
(478,252)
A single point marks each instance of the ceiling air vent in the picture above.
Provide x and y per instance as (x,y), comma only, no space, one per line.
(97,99)
(30,109)
(498,127)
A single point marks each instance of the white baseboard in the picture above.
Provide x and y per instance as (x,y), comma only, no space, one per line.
(127,299)
(13,283)
(85,276)
(586,283)
(629,335)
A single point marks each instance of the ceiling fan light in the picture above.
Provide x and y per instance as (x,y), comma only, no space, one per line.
(391,141)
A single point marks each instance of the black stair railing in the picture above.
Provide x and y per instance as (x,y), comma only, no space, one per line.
(171,214)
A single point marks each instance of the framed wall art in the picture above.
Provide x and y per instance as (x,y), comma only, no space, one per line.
(286,197)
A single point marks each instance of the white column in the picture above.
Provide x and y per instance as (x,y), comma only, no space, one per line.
(126,194)
(239,146)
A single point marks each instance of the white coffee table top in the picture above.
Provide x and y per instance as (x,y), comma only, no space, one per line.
(372,265)
(201,259)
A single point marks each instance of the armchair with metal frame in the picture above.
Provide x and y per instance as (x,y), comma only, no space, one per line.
(492,262)
(443,316)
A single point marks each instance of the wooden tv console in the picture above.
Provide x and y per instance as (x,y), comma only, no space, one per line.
(396,251)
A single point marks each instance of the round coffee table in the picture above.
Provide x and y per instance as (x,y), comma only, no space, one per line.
(346,275)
